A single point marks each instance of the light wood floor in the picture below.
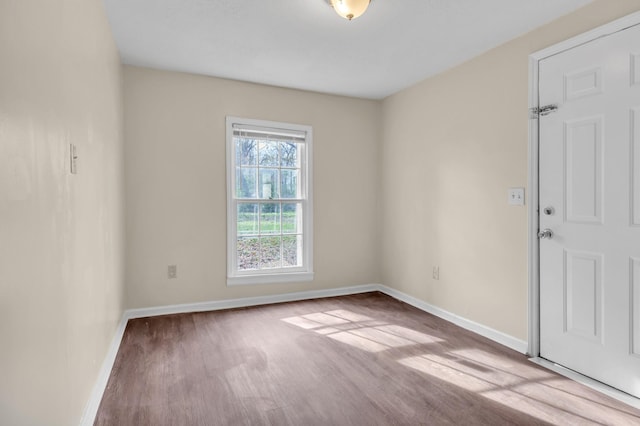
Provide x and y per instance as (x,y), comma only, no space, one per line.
(356,360)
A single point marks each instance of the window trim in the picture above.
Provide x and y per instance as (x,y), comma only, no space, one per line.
(300,274)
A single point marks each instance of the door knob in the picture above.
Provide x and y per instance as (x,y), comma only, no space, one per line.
(545,233)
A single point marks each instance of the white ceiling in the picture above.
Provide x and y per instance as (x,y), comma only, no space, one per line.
(304,44)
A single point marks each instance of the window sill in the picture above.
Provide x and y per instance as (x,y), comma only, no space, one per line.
(270,278)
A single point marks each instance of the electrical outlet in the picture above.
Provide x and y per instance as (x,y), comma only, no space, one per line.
(172,271)
(436,272)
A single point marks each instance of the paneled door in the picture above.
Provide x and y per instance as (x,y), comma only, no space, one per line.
(589,191)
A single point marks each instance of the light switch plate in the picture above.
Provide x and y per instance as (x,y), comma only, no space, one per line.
(516,196)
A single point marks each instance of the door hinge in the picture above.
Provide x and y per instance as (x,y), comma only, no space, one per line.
(536,112)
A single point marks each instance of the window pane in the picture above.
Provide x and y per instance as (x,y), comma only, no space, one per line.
(248,218)
(270,252)
(291,218)
(246,182)
(269,153)
(291,250)
(248,253)
(289,154)
(270,218)
(269,184)
(289,184)
(246,152)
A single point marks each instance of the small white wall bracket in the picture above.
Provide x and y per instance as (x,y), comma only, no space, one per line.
(73,159)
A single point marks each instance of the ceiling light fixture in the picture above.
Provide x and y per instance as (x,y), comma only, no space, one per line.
(350,9)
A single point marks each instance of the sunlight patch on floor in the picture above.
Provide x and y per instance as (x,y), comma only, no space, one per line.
(360,331)
(532,391)
(359,342)
(526,389)
(498,362)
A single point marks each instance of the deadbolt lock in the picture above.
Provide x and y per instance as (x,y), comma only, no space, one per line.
(549,211)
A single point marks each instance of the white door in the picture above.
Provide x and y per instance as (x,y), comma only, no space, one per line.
(590,200)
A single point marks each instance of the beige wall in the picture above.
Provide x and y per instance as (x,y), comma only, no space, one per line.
(452,146)
(61,236)
(176,190)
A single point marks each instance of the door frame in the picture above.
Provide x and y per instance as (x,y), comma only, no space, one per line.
(533,262)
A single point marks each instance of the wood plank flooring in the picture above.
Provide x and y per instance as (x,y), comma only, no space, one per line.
(356,360)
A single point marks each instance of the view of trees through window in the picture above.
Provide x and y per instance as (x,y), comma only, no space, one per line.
(269,216)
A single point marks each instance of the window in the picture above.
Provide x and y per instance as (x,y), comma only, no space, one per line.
(269,204)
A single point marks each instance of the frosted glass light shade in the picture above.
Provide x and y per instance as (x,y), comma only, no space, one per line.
(350,9)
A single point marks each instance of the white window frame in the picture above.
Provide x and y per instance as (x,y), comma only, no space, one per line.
(280,275)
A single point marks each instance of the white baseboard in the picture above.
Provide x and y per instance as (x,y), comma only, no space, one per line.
(495,335)
(217,305)
(91,409)
(93,404)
